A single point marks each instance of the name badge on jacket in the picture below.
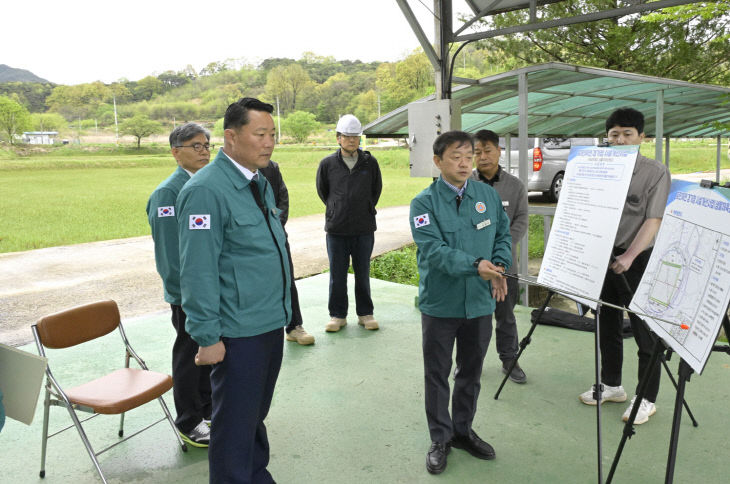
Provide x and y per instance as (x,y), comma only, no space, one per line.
(484,223)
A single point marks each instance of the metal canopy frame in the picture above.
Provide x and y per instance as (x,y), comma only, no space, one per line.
(569,100)
(445,35)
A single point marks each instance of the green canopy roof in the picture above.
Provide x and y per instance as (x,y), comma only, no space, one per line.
(572,101)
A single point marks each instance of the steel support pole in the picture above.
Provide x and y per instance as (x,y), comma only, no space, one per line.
(522,90)
(659,126)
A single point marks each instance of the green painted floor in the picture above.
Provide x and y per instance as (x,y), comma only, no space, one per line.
(350,410)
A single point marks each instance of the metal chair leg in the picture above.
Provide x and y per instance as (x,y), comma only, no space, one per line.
(85,440)
(44,442)
(183,445)
(121,425)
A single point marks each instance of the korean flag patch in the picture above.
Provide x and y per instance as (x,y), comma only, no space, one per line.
(166,211)
(199,222)
(421,221)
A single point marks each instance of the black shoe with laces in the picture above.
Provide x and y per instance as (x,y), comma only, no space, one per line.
(436,457)
(474,445)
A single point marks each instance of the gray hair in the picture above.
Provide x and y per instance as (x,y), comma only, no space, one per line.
(186,132)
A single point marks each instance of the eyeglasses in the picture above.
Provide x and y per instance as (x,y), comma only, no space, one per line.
(198,147)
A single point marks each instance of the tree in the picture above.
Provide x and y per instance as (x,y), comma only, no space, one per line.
(172,79)
(147,87)
(14,118)
(32,95)
(405,81)
(299,125)
(140,126)
(334,94)
(688,42)
(365,106)
(214,68)
(48,122)
(78,101)
(288,83)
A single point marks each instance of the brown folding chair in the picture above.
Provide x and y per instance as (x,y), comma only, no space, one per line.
(115,393)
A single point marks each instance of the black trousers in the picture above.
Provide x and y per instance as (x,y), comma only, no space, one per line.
(506,324)
(243,386)
(340,248)
(191,383)
(472,339)
(296,312)
(611,323)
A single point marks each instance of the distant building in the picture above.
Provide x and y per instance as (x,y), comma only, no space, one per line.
(39,137)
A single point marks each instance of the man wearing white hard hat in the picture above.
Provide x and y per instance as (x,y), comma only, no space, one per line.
(349,184)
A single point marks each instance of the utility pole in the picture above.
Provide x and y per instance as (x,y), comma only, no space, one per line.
(116,124)
(278,122)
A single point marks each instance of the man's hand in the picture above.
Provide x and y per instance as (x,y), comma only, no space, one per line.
(622,263)
(488,271)
(499,289)
(210,355)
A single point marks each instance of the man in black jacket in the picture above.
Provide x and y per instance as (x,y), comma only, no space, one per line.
(294,330)
(349,184)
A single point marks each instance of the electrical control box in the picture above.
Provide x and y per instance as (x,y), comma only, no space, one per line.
(427,120)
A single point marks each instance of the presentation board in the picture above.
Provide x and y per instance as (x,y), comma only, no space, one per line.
(589,209)
(21,378)
(687,280)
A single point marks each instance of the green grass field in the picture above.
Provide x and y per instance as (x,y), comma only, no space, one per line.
(68,195)
(73,196)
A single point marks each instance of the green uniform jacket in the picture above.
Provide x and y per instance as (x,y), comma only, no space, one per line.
(234,273)
(161,215)
(449,241)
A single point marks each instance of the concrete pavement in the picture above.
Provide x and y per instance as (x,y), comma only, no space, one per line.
(43,281)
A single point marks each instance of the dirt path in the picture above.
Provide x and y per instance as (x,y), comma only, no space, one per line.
(40,282)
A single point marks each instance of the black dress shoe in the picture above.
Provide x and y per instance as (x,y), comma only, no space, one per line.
(436,457)
(474,445)
(516,375)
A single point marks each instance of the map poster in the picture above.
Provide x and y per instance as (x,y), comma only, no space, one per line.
(591,202)
(687,280)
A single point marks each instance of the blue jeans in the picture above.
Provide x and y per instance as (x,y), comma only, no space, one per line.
(340,248)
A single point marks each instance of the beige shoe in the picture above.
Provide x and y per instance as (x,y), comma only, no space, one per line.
(368,321)
(335,324)
(299,335)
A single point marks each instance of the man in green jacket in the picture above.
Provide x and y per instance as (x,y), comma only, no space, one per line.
(464,247)
(235,280)
(190,146)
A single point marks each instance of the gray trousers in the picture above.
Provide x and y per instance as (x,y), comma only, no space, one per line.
(506,325)
(472,339)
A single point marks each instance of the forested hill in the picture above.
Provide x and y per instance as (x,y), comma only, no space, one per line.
(11,74)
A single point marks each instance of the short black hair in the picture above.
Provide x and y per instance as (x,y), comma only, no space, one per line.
(626,118)
(450,137)
(186,132)
(237,113)
(486,135)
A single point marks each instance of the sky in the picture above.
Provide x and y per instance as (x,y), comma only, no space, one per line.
(78,41)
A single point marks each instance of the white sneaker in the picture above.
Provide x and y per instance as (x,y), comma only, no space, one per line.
(646,410)
(609,394)
(335,324)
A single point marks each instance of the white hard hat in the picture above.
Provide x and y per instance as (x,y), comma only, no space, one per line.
(349,126)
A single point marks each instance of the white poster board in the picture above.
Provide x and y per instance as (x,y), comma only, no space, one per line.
(687,280)
(21,378)
(589,209)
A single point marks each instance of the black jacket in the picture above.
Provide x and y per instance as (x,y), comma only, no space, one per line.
(281,194)
(350,196)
